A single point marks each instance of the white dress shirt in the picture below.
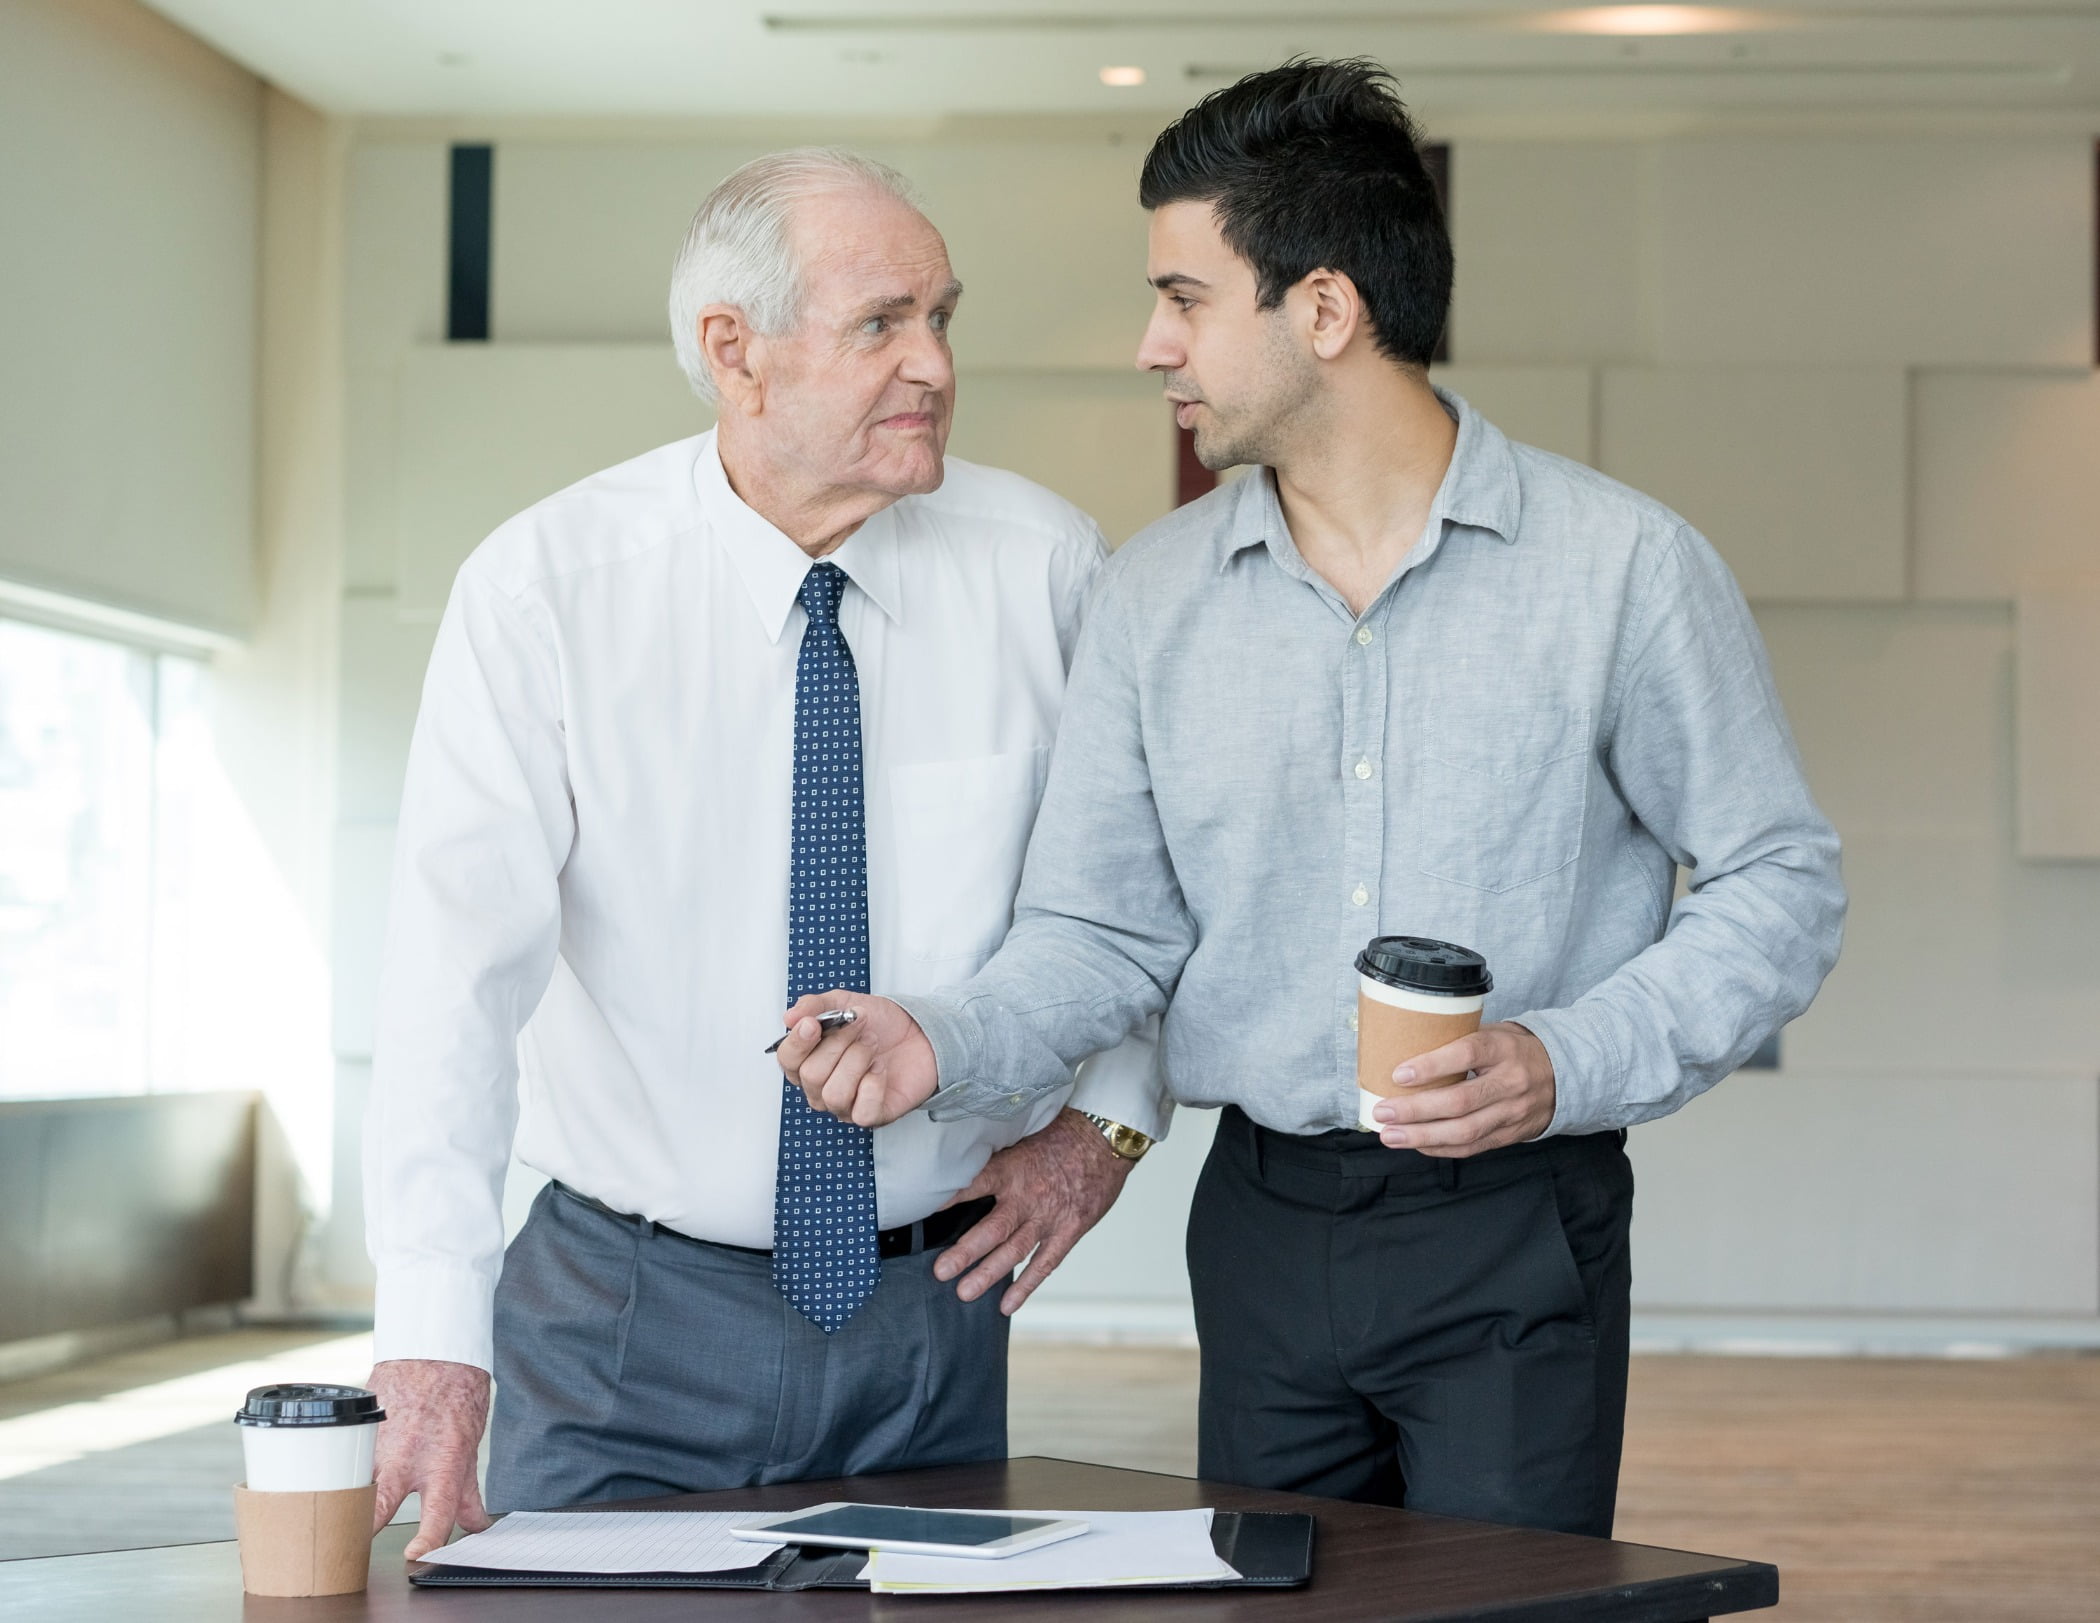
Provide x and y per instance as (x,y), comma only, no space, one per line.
(587,943)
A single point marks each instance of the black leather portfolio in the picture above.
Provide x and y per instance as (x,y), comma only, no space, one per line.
(1266,1549)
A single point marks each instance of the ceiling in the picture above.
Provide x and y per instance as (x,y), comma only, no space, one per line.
(946,58)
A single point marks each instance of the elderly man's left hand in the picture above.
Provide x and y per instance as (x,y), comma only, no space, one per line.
(1052,1186)
(1508,1098)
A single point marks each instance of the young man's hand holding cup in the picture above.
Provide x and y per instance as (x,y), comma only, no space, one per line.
(1429,1077)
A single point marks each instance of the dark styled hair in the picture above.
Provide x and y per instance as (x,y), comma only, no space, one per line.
(1313,166)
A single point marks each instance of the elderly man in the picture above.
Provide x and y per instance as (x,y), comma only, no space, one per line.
(756,714)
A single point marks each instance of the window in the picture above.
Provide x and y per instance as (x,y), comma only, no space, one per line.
(81,815)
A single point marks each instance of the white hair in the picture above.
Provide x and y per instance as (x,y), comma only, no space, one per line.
(737,250)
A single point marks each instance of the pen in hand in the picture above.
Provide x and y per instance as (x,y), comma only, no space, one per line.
(830,1020)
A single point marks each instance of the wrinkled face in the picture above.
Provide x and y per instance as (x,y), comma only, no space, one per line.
(860,394)
(1237,372)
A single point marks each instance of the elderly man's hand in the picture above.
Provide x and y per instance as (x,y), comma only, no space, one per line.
(430,1443)
(869,1073)
(1508,1098)
(1052,1186)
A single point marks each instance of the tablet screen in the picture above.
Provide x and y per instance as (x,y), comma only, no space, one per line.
(898,1525)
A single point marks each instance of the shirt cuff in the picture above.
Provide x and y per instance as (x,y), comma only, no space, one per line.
(1586,1064)
(958,1058)
(1123,1084)
(436,1310)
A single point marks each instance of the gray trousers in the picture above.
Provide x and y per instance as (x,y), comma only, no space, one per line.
(632,1362)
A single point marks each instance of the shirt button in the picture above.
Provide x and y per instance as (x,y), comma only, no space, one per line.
(1363,769)
(1363,635)
(1360,896)
(1352,1020)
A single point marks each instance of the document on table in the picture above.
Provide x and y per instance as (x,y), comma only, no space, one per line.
(610,1541)
(1120,1548)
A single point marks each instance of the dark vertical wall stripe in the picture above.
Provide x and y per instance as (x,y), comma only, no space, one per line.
(467,274)
(1191,477)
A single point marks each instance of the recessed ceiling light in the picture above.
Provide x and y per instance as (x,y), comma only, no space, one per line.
(1651,20)
(1123,78)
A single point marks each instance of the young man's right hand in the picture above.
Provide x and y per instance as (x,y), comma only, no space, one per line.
(872,1072)
(430,1443)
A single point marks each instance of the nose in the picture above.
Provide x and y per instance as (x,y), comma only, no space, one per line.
(1160,350)
(926,361)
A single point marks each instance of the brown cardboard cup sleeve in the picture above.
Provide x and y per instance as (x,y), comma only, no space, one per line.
(304,1543)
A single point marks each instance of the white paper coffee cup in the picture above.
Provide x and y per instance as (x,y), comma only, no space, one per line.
(308,1439)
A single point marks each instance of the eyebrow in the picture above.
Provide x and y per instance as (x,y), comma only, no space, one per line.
(1174,279)
(907,301)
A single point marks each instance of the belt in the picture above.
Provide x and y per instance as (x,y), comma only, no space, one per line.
(930,1233)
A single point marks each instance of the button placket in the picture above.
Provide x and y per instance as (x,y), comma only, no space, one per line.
(1363,837)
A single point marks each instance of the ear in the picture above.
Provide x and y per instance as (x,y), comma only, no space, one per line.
(727,345)
(1334,312)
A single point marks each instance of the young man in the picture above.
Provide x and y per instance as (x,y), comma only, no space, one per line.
(1410,678)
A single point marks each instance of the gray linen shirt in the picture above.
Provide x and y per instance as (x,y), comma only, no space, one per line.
(1558,700)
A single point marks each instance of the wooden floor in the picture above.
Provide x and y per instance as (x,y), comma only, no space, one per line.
(1886,1491)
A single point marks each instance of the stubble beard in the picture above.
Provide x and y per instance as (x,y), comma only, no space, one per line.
(1253,433)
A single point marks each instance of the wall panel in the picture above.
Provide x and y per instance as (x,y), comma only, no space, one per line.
(2058,700)
(485,430)
(1923,251)
(1103,440)
(1548,241)
(1973,1194)
(1796,474)
(2005,475)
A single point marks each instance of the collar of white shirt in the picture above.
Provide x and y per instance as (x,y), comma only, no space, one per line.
(772,567)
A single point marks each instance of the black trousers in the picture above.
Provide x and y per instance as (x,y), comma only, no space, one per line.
(1384,1326)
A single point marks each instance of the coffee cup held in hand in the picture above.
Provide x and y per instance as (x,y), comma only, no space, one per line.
(304,1516)
(1412,995)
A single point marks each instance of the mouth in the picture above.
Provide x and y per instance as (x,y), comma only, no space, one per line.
(906,422)
(1185,412)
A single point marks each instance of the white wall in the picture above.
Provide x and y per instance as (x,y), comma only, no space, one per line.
(130,163)
(1819,349)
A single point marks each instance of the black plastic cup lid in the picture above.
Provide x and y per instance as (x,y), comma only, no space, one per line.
(1417,964)
(299,1405)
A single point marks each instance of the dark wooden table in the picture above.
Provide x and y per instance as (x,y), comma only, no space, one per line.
(1394,1566)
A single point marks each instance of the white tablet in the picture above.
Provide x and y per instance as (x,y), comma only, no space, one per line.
(982,1534)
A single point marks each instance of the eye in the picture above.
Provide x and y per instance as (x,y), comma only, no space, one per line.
(875,326)
(940,320)
(1182,302)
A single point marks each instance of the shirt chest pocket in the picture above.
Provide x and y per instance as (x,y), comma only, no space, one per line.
(961,834)
(1500,790)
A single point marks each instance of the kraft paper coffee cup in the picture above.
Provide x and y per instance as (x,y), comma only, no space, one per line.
(1412,995)
(304,1516)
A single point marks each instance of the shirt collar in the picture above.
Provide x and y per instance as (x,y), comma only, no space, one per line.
(772,567)
(1479,490)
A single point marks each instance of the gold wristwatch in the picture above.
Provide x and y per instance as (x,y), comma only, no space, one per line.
(1126,1142)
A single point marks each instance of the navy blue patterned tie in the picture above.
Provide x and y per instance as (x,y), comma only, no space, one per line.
(824,1259)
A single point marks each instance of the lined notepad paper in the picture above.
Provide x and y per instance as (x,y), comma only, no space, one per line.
(610,1541)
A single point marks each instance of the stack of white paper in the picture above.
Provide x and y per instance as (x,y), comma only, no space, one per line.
(1119,1548)
(610,1541)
